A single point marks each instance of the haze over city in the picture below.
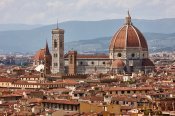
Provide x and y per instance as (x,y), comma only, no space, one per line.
(48,11)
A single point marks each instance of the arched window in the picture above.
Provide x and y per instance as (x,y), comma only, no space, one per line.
(132,55)
(55,55)
(104,63)
(55,64)
(92,63)
(71,59)
(119,55)
(55,43)
(81,63)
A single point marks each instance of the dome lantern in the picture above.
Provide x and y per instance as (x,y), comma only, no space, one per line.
(128,19)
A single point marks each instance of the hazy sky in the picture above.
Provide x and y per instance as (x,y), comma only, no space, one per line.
(48,11)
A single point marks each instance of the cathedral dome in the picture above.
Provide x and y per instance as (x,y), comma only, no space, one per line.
(118,64)
(128,36)
(40,54)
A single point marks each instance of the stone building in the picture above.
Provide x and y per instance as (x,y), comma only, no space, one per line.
(43,58)
(129,48)
(57,51)
(128,52)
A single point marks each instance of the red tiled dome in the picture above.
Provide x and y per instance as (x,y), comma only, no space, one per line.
(128,36)
(147,62)
(117,64)
(39,55)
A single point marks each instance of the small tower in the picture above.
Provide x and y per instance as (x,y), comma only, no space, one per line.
(128,19)
(47,60)
(57,51)
(72,55)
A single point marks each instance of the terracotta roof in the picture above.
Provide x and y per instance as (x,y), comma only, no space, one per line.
(39,55)
(30,76)
(117,64)
(147,62)
(11,95)
(126,88)
(35,100)
(124,98)
(70,82)
(4,79)
(93,98)
(61,102)
(59,90)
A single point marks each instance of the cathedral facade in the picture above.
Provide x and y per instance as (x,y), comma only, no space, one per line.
(128,52)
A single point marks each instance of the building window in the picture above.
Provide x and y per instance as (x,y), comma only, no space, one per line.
(81,63)
(123,92)
(61,64)
(55,55)
(132,55)
(71,59)
(119,55)
(132,103)
(55,43)
(92,63)
(117,102)
(103,63)
(55,64)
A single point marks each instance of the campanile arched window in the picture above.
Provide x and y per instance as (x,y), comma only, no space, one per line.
(55,43)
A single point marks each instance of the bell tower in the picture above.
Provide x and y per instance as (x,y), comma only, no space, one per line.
(57,51)
(72,62)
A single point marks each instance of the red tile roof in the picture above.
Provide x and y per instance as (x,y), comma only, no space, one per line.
(61,102)
(40,55)
(147,62)
(5,79)
(118,64)
(126,88)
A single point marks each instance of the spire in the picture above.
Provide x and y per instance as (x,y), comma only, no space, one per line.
(128,19)
(57,23)
(128,14)
(47,49)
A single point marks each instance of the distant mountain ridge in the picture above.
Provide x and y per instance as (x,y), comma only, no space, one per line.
(156,41)
(30,40)
(14,27)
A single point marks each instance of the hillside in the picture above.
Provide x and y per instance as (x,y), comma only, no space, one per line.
(33,38)
(156,42)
